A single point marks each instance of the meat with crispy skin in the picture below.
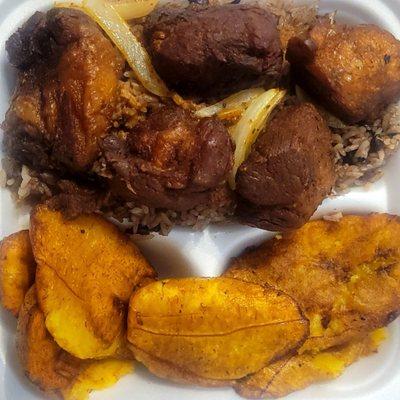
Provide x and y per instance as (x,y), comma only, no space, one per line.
(289,171)
(172,160)
(353,70)
(68,75)
(213,50)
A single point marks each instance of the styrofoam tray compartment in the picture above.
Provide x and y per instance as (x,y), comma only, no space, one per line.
(188,253)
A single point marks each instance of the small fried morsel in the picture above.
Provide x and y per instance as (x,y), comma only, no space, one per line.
(44,362)
(353,70)
(344,275)
(212,331)
(87,271)
(17,270)
(300,371)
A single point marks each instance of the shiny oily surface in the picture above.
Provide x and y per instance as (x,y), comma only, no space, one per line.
(207,253)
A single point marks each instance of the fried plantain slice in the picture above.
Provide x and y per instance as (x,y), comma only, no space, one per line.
(51,368)
(212,331)
(297,372)
(87,271)
(17,270)
(345,275)
(44,362)
(69,321)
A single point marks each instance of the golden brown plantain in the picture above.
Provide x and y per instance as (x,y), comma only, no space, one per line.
(344,275)
(17,270)
(44,362)
(87,271)
(51,368)
(212,331)
(299,371)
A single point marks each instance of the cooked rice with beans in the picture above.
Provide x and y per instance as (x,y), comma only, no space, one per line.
(362,151)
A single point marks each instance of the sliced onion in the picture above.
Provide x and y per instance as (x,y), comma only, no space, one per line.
(231,113)
(246,131)
(120,34)
(130,9)
(238,100)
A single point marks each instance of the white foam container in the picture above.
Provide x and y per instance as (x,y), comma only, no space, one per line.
(188,253)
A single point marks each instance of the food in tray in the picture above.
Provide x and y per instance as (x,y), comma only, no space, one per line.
(50,367)
(93,128)
(195,56)
(295,311)
(299,371)
(289,171)
(352,70)
(86,272)
(43,361)
(172,160)
(344,275)
(68,73)
(71,334)
(203,330)
(127,121)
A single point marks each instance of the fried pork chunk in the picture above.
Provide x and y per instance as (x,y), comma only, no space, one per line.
(212,50)
(172,160)
(353,70)
(289,171)
(68,74)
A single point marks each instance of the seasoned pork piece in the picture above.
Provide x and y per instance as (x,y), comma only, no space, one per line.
(289,171)
(68,74)
(208,51)
(172,160)
(353,70)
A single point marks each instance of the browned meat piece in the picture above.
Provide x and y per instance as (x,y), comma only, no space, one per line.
(209,51)
(171,160)
(289,171)
(68,74)
(353,71)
